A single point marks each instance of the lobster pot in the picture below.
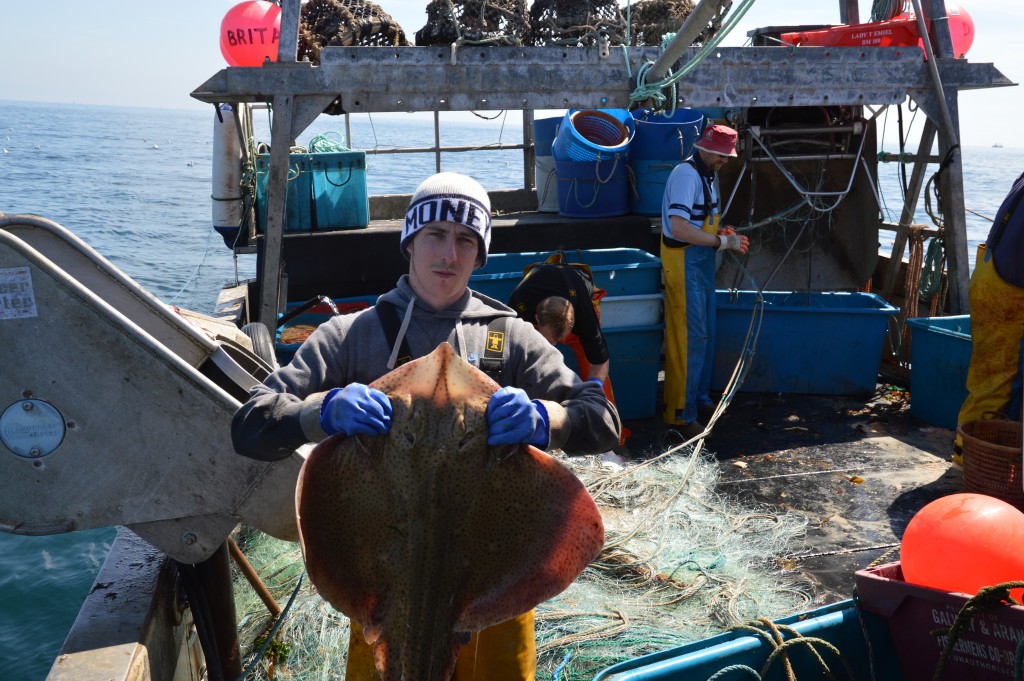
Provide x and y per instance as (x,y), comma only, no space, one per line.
(544,131)
(659,145)
(593,189)
(592,134)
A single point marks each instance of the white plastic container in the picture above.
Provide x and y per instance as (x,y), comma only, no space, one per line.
(637,310)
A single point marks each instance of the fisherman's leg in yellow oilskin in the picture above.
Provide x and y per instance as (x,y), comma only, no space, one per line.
(673,264)
(689,330)
(504,652)
(997,334)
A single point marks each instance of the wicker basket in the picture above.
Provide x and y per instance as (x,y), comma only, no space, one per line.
(992,459)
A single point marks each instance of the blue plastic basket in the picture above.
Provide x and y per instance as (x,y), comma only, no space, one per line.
(592,134)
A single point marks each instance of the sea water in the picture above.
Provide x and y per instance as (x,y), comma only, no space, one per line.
(134,184)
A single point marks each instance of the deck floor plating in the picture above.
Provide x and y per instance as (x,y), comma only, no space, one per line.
(859,469)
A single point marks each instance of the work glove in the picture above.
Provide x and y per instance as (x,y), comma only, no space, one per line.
(729,242)
(355,409)
(513,418)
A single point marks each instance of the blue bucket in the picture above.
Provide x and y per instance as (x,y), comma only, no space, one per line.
(660,144)
(592,189)
(544,131)
(592,134)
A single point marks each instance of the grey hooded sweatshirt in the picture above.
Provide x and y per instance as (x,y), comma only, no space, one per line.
(283,413)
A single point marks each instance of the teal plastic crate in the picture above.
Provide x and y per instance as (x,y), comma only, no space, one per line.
(842,625)
(619,271)
(820,343)
(634,352)
(940,354)
(326,191)
(298,197)
(339,190)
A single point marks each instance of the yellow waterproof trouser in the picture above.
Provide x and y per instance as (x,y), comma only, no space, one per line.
(673,263)
(997,334)
(504,652)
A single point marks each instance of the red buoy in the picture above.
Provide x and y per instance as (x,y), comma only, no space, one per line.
(250,33)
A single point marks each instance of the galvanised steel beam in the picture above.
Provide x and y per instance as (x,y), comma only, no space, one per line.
(384,79)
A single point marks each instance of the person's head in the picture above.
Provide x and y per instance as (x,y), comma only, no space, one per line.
(446,235)
(716,146)
(555,318)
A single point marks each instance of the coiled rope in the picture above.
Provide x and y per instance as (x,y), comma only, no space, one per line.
(653,91)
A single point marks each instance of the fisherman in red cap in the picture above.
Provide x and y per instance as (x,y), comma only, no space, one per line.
(690,235)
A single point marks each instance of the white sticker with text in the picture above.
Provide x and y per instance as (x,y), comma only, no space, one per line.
(17,299)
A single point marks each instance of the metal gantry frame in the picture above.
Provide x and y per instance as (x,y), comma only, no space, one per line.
(460,78)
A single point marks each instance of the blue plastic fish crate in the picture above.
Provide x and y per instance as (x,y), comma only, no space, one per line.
(940,354)
(840,624)
(326,191)
(634,352)
(619,271)
(823,343)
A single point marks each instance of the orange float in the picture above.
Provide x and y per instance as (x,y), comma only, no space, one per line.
(963,542)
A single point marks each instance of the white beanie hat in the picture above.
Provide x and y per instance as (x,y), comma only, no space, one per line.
(449,197)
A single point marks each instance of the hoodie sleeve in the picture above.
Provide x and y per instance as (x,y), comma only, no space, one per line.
(283,413)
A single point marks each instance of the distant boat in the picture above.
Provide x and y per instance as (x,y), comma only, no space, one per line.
(997,145)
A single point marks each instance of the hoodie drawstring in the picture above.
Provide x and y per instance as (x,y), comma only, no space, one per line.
(401,333)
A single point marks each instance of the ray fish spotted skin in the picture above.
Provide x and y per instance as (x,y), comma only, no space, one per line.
(427,533)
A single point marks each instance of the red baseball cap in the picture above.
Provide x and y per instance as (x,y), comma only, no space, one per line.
(718,139)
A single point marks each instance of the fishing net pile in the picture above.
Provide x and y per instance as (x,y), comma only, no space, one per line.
(681,562)
(474,22)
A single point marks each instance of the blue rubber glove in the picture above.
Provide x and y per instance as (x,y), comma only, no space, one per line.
(355,409)
(513,418)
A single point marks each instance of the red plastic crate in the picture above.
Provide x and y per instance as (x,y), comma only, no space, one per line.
(983,652)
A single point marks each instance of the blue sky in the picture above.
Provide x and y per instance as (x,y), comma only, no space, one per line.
(153,54)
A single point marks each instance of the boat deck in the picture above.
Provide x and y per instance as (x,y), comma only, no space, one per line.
(858,467)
